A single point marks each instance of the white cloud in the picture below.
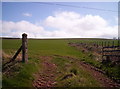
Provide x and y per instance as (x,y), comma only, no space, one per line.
(76,25)
(67,24)
(27,14)
(15,29)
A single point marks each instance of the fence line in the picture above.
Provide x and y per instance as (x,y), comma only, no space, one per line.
(111,52)
(105,48)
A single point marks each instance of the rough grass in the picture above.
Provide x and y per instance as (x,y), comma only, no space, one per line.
(24,73)
(80,78)
(112,71)
(36,48)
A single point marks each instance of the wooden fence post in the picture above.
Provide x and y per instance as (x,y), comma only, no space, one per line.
(24,48)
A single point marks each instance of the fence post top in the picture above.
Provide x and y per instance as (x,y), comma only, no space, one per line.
(24,34)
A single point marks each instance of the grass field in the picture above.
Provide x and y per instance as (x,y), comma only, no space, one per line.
(22,75)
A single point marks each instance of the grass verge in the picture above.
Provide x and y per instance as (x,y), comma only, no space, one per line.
(21,75)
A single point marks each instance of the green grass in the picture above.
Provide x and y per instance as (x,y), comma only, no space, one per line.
(36,48)
(111,71)
(81,77)
(24,72)
(51,47)
(41,47)
(97,41)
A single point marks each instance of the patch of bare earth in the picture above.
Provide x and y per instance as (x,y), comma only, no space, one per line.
(46,78)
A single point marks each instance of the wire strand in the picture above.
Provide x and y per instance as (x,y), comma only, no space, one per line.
(76,6)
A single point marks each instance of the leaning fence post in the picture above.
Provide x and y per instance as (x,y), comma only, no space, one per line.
(24,48)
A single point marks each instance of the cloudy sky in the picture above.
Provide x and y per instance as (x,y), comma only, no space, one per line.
(60,19)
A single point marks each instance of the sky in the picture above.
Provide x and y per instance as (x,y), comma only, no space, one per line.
(60,19)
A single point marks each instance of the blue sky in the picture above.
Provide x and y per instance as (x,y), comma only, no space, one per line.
(38,14)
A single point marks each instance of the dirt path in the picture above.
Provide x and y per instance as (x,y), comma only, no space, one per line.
(96,73)
(47,76)
(104,80)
